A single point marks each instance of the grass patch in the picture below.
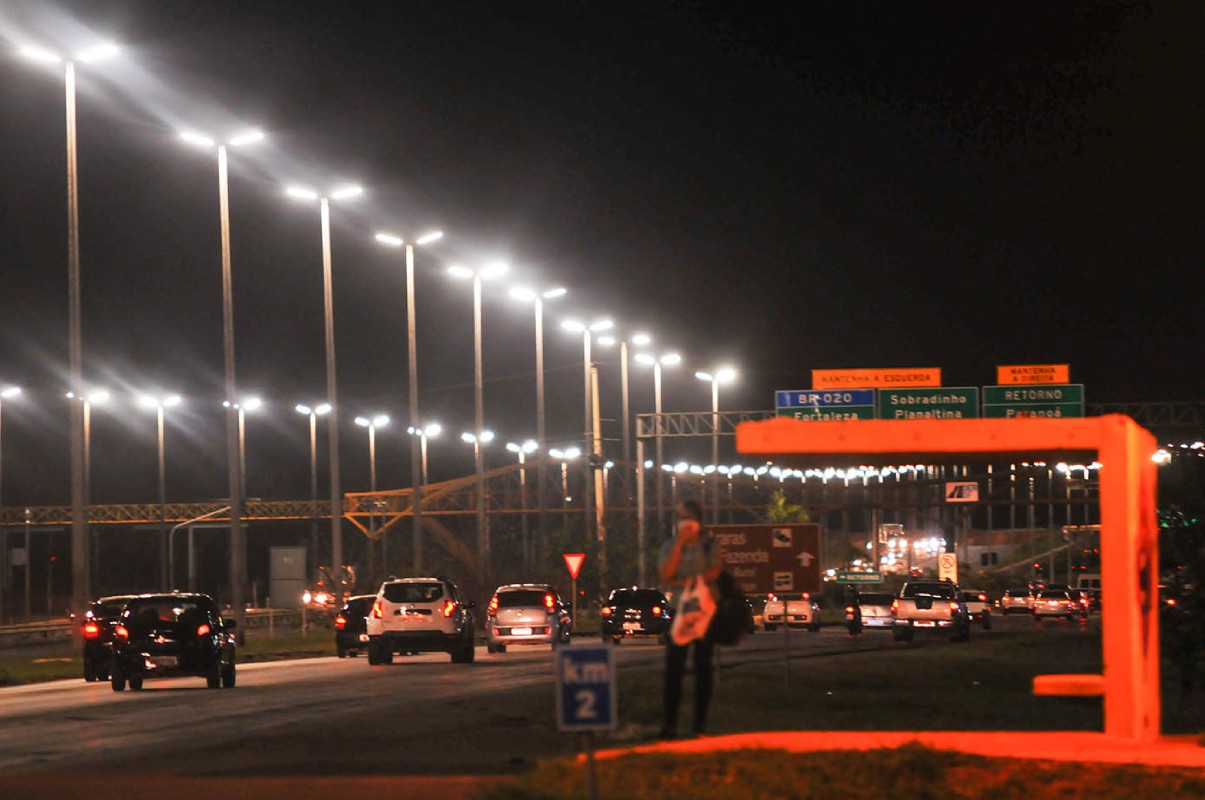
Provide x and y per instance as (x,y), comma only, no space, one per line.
(312,644)
(912,771)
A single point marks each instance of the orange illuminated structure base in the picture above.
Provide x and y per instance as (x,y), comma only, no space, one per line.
(1129,554)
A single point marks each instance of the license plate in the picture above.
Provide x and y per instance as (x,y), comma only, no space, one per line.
(925,624)
(520,631)
(631,626)
(164,661)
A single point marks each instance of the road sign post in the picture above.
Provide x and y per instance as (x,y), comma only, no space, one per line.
(573,563)
(586,696)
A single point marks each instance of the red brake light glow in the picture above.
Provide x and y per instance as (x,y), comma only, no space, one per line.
(449,607)
(895,606)
(91,630)
(606,611)
(849,609)
(203,629)
(549,602)
(121,632)
(376,609)
(983,598)
(953,606)
(340,622)
(656,611)
(493,606)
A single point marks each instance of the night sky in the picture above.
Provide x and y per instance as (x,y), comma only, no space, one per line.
(781,187)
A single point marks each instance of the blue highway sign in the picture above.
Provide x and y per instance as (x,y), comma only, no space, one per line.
(586,697)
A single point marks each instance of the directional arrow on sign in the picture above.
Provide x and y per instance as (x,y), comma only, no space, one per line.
(805,559)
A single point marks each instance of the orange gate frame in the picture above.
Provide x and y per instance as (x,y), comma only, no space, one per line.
(1129,551)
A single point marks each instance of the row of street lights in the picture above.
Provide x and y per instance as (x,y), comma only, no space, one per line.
(235,410)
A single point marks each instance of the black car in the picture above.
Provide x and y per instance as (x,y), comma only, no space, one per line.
(99,622)
(351,625)
(635,612)
(170,635)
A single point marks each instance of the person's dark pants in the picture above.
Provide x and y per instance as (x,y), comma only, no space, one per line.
(675,667)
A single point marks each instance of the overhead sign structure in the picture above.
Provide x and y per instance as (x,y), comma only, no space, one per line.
(962,491)
(1033,373)
(573,562)
(586,697)
(875,378)
(825,406)
(1017,402)
(958,402)
(765,559)
(859,577)
(947,567)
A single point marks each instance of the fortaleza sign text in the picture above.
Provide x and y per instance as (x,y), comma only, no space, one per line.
(875,378)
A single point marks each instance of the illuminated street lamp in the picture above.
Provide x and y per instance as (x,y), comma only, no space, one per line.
(320,410)
(565,456)
(411,340)
(7,393)
(158,404)
(521,450)
(537,297)
(431,430)
(342,193)
(240,410)
(639,340)
(81,589)
(477,276)
(372,423)
(721,375)
(595,502)
(235,477)
(657,362)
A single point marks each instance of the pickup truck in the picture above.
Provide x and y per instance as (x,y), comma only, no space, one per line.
(930,605)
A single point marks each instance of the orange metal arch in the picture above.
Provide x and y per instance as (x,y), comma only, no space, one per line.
(1129,532)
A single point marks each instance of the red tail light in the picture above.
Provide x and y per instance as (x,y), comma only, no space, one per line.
(203,629)
(656,611)
(121,632)
(849,609)
(982,598)
(953,606)
(340,622)
(895,607)
(771,596)
(91,630)
(607,611)
(449,607)
(549,602)
(376,609)
(492,609)
(807,596)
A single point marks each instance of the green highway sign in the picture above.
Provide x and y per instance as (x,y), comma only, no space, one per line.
(956,402)
(1016,402)
(859,577)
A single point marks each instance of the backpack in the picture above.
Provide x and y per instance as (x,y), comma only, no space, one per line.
(733,616)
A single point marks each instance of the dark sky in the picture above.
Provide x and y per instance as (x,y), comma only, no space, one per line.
(779,186)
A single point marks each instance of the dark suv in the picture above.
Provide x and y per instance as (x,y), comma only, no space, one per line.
(99,621)
(351,625)
(168,635)
(634,612)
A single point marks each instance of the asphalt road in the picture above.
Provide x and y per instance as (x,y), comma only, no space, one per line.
(422,715)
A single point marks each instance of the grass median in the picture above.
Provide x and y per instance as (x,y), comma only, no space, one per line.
(912,771)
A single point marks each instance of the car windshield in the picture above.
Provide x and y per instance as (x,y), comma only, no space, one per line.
(414,592)
(152,612)
(876,599)
(521,598)
(937,590)
(644,597)
(1017,593)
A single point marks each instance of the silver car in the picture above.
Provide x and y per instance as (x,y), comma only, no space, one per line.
(526,613)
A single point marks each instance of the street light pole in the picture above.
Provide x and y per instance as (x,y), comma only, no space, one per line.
(372,423)
(477,439)
(721,375)
(159,404)
(667,360)
(328,307)
(81,570)
(428,431)
(521,450)
(537,298)
(412,353)
(5,393)
(238,542)
(491,271)
(313,413)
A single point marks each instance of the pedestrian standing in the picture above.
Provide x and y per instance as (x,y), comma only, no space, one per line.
(690,554)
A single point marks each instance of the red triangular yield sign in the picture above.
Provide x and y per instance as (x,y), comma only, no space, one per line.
(573,561)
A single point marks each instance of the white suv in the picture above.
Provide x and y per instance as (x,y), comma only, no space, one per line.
(802,611)
(415,615)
